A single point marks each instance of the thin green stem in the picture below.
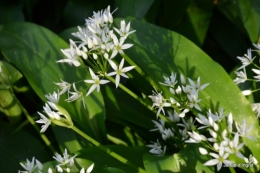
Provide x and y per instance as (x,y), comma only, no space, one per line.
(129,92)
(30,119)
(108,151)
(138,69)
(137,98)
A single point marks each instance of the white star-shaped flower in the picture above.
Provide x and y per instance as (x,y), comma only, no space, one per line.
(241,76)
(64,86)
(119,70)
(45,121)
(119,46)
(95,81)
(65,159)
(219,159)
(71,55)
(90,168)
(124,30)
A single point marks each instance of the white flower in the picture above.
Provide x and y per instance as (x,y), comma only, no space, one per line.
(256,71)
(50,170)
(96,82)
(257,46)
(159,125)
(71,55)
(157,148)
(243,132)
(59,169)
(251,159)
(64,86)
(207,122)
(159,102)
(246,92)
(76,95)
(173,117)
(234,146)
(169,81)
(119,46)
(230,122)
(90,168)
(256,109)
(197,87)
(119,71)
(219,159)
(167,133)
(54,98)
(124,30)
(30,166)
(193,100)
(241,76)
(246,60)
(189,124)
(52,114)
(203,151)
(195,137)
(45,121)
(65,159)
(214,135)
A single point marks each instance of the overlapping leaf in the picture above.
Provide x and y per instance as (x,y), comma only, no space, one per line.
(34,50)
(158,52)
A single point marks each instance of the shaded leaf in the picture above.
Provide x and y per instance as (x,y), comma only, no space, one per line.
(163,51)
(34,50)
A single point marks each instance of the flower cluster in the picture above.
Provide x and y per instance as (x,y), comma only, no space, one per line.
(218,134)
(247,62)
(99,43)
(65,164)
(55,113)
(222,142)
(184,99)
(97,49)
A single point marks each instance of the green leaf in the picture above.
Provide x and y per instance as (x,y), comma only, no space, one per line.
(163,51)
(34,50)
(133,8)
(14,148)
(195,23)
(102,159)
(9,106)
(245,14)
(187,160)
(8,103)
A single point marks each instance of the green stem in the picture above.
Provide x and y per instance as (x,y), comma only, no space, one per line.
(129,92)
(30,119)
(137,98)
(108,151)
(138,69)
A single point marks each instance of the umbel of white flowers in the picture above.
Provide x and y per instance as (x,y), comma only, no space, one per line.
(99,43)
(65,163)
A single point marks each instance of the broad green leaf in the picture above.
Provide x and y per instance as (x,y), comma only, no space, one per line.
(245,14)
(34,50)
(102,159)
(190,18)
(187,160)
(133,8)
(14,148)
(229,38)
(12,73)
(158,52)
(124,110)
(196,21)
